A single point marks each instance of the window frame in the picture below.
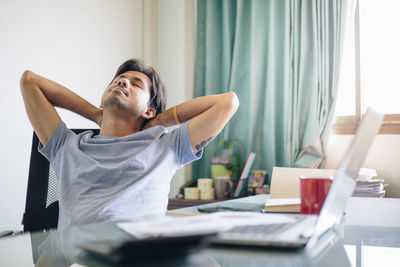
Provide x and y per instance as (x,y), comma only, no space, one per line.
(348,124)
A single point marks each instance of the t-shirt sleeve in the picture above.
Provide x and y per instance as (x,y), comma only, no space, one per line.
(56,141)
(179,140)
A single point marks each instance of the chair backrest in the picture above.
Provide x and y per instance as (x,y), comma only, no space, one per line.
(41,205)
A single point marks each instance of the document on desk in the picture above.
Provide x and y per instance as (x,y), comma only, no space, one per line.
(282,205)
(201,224)
(285,184)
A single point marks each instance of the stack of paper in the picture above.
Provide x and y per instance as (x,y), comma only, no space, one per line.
(371,188)
(366,174)
(367,186)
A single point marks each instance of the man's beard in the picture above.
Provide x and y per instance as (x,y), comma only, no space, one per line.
(115,105)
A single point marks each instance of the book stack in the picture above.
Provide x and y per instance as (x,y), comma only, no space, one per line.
(368,186)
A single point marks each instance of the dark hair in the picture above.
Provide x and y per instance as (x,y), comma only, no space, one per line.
(158,99)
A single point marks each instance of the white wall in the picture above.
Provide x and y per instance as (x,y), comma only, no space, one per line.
(383,156)
(175,63)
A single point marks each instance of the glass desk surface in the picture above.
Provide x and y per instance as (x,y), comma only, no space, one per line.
(362,242)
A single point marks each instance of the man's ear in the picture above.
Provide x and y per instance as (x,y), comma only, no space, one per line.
(149,114)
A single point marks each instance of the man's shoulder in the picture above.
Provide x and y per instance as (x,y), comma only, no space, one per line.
(149,134)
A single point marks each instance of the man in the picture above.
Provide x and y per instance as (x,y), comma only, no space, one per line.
(125,171)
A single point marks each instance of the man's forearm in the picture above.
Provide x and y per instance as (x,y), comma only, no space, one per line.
(192,108)
(197,106)
(207,117)
(60,96)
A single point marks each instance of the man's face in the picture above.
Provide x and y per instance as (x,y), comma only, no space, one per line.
(129,92)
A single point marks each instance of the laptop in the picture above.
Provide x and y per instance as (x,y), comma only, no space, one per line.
(307,230)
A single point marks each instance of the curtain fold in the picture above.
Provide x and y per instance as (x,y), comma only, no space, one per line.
(282,59)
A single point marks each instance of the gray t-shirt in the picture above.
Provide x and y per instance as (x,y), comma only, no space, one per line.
(115,178)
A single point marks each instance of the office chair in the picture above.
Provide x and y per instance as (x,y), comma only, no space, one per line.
(41,206)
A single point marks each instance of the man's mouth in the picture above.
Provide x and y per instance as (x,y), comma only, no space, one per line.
(123,90)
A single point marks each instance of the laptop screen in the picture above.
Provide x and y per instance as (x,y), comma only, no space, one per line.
(344,183)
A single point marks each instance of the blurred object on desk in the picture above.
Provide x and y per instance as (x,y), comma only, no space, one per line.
(192,193)
(223,187)
(240,187)
(207,194)
(262,190)
(256,183)
(205,185)
(226,160)
(368,186)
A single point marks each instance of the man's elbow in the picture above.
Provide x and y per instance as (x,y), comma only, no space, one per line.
(232,101)
(25,79)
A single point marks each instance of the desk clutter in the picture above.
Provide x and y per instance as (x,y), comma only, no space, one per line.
(226,186)
(203,191)
(369,186)
(222,188)
(226,179)
(285,186)
(210,189)
(256,183)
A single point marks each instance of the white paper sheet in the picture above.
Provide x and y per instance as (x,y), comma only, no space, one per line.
(282,201)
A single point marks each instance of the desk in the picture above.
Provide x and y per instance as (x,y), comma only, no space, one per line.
(371,238)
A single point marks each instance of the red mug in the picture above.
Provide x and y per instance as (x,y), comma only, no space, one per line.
(313,192)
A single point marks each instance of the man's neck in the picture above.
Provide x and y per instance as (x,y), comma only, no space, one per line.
(119,127)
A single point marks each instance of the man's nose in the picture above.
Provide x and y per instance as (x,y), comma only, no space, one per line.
(123,82)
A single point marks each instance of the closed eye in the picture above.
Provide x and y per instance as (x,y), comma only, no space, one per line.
(138,85)
(135,81)
(138,82)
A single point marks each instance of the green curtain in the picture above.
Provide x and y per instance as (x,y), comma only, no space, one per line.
(281,58)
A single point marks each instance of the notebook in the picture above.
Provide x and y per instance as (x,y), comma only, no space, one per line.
(306,230)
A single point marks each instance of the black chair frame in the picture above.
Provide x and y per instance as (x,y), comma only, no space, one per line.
(38,217)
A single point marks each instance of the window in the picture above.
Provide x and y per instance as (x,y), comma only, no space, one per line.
(370,74)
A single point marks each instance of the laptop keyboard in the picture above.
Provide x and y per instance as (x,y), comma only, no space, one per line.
(256,231)
(260,231)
